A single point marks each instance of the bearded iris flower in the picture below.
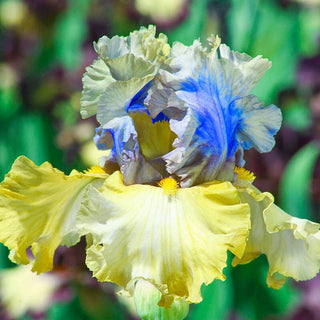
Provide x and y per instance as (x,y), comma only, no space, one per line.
(171,197)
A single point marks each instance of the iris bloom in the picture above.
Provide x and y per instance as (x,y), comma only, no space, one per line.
(171,196)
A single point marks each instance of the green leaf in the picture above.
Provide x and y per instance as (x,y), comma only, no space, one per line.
(297,116)
(70,311)
(217,300)
(295,185)
(5,158)
(90,303)
(98,304)
(29,136)
(241,19)
(264,28)
(4,260)
(10,102)
(193,26)
(309,31)
(253,299)
(70,32)
(281,49)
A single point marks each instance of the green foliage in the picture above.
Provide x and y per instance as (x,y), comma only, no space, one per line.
(295,187)
(193,27)
(33,110)
(262,20)
(10,102)
(309,31)
(297,116)
(23,135)
(217,300)
(90,303)
(253,299)
(242,20)
(70,31)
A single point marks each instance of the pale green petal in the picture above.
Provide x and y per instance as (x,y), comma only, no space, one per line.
(177,241)
(291,245)
(95,82)
(147,297)
(142,43)
(111,48)
(186,61)
(38,207)
(132,63)
(129,66)
(131,75)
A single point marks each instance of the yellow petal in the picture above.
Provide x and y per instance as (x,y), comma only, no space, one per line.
(38,206)
(160,11)
(292,245)
(23,291)
(176,241)
(155,139)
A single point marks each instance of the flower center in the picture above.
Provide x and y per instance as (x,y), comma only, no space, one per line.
(244,174)
(169,185)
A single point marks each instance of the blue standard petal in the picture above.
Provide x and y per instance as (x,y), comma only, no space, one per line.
(222,118)
(213,145)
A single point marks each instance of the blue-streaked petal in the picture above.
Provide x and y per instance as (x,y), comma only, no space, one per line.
(125,66)
(120,136)
(251,69)
(131,75)
(161,99)
(258,124)
(223,118)
(206,135)
(186,62)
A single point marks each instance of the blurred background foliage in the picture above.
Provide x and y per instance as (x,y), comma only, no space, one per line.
(44,49)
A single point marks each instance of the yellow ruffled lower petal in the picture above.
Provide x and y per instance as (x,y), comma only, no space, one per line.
(38,206)
(176,241)
(292,245)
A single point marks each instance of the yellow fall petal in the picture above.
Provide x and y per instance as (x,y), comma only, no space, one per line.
(38,206)
(291,245)
(176,241)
